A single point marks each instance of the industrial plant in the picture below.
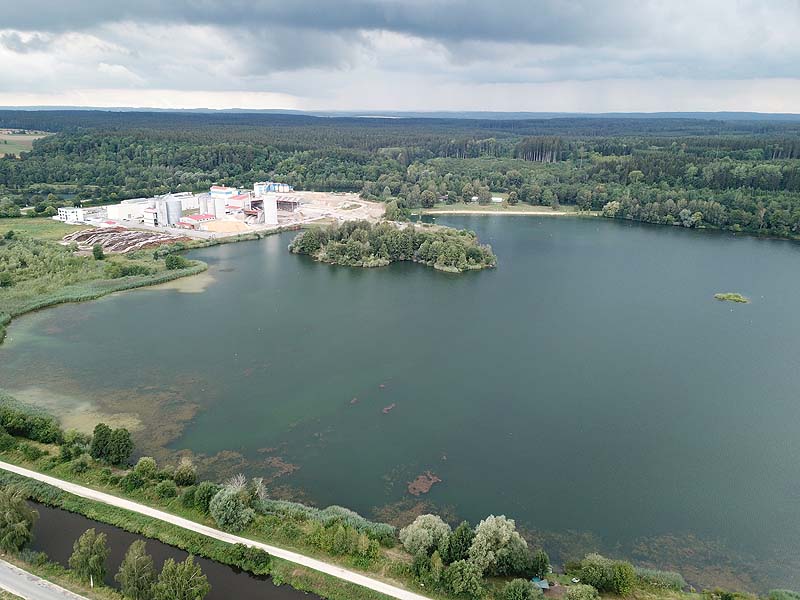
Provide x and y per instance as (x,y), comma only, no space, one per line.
(222,209)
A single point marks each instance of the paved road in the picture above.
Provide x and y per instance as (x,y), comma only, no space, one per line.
(31,587)
(300,559)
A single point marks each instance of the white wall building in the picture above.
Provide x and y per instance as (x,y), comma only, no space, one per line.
(70,214)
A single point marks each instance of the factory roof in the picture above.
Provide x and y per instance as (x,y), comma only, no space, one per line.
(205,217)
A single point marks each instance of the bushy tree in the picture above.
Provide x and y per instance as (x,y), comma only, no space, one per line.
(497,548)
(464,577)
(16,519)
(540,564)
(229,510)
(120,447)
(457,545)
(97,252)
(520,589)
(185,474)
(251,559)
(166,489)
(181,581)
(146,467)
(136,575)
(101,438)
(205,492)
(581,591)
(174,262)
(607,575)
(424,535)
(88,559)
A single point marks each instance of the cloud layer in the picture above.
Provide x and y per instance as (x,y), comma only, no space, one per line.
(585,55)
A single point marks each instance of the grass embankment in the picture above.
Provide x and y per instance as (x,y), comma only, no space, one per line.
(280,570)
(732,297)
(36,272)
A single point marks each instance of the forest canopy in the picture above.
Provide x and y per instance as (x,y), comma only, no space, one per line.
(727,174)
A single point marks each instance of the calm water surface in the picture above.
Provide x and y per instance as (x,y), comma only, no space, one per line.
(590,386)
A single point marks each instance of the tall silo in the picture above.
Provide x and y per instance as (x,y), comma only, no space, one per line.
(174,211)
(203,204)
(161,212)
(271,209)
(219,207)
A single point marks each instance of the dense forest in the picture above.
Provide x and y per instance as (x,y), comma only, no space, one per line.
(737,174)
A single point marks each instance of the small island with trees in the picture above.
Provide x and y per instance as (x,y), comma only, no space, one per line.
(362,244)
(732,297)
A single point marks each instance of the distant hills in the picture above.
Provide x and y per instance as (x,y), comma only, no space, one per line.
(492,115)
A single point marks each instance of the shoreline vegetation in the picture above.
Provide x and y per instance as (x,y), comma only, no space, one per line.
(732,297)
(37,272)
(361,244)
(491,561)
(463,208)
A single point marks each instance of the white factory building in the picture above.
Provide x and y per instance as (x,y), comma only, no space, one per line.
(222,203)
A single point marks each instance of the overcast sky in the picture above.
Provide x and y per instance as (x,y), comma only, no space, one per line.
(505,55)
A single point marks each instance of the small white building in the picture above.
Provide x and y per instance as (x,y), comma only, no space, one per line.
(70,214)
(195,221)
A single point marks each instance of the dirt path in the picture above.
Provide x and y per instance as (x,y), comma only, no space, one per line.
(300,559)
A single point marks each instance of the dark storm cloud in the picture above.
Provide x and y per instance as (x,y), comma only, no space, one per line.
(579,22)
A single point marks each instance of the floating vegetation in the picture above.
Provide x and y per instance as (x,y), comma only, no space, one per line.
(423,483)
(732,297)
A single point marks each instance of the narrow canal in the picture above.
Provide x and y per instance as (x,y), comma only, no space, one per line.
(56,532)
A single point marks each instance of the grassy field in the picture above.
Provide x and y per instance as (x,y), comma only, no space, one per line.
(41,228)
(14,143)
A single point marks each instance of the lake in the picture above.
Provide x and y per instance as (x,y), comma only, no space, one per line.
(590,386)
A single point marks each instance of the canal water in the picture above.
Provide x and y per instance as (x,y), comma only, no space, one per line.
(56,532)
(590,386)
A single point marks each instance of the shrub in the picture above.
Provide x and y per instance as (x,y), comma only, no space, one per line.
(668,580)
(132,481)
(187,498)
(81,465)
(204,494)
(31,452)
(581,591)
(174,262)
(7,441)
(185,474)
(24,421)
(520,589)
(464,577)
(166,489)
(97,252)
(251,559)
(146,467)
(783,595)
(613,576)
(424,535)
(229,510)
